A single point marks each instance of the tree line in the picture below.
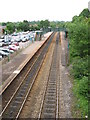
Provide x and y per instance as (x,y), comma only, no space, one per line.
(79,36)
(44,25)
(25,26)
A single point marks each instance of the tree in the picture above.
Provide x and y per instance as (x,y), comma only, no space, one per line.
(23,26)
(44,24)
(10,27)
(79,42)
(85,13)
(26,25)
(3,24)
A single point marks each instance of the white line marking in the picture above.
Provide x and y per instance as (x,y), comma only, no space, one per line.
(16,71)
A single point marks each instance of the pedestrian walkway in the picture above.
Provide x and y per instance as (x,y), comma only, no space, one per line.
(10,70)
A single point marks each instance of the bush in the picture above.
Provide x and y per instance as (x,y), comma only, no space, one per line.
(80,67)
(80,90)
(79,42)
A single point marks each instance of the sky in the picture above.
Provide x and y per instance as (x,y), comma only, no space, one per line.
(53,10)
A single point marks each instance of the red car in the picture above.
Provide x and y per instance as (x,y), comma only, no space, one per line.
(13,47)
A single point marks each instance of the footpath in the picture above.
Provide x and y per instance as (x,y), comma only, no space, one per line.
(11,69)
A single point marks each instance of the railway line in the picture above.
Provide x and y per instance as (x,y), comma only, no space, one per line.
(13,102)
(49,106)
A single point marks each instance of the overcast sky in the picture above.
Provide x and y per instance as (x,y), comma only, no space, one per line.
(19,10)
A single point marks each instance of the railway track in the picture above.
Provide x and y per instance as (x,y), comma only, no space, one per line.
(49,107)
(13,104)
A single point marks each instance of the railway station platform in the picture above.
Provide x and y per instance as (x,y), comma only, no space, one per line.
(11,69)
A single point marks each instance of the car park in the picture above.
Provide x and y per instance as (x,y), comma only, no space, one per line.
(11,43)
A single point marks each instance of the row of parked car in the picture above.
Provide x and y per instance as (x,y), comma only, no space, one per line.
(8,50)
(10,43)
(20,37)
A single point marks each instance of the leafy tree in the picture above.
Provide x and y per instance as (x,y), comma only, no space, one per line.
(79,41)
(53,24)
(44,24)
(23,26)
(26,25)
(3,24)
(10,27)
(85,13)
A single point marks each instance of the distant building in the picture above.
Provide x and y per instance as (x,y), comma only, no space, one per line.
(2,29)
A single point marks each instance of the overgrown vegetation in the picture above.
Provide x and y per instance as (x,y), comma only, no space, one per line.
(79,41)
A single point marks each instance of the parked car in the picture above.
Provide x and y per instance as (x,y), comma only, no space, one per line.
(13,47)
(7,43)
(24,39)
(3,53)
(27,37)
(14,34)
(1,44)
(2,37)
(18,40)
(12,40)
(1,40)
(6,50)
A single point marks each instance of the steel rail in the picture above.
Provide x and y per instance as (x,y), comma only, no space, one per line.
(46,110)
